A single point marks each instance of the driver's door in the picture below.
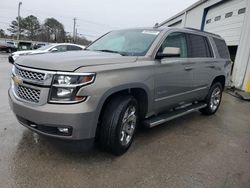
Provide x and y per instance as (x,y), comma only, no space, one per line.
(173,75)
(59,48)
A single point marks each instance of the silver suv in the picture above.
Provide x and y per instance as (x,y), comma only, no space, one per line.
(125,79)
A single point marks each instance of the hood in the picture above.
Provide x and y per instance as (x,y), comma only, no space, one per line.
(72,60)
(26,52)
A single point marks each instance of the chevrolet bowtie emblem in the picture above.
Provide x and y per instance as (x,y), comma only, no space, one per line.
(17,80)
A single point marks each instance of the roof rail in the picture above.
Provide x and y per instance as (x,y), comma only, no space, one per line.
(194,29)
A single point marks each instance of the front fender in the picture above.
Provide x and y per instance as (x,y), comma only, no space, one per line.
(114,90)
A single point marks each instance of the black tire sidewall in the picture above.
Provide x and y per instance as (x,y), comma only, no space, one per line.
(111,124)
(8,50)
(131,102)
(213,87)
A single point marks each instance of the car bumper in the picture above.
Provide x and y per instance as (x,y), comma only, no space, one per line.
(46,119)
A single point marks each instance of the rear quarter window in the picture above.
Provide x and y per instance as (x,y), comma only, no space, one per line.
(222,48)
(72,48)
(198,46)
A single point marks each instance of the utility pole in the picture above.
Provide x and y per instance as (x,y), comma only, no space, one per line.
(74,30)
(18,31)
(76,36)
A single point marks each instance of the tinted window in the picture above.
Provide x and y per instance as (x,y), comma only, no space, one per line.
(222,48)
(46,47)
(71,48)
(217,18)
(61,48)
(242,11)
(198,46)
(176,40)
(229,14)
(208,21)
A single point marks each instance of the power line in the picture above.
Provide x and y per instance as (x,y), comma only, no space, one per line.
(44,13)
(88,35)
(80,20)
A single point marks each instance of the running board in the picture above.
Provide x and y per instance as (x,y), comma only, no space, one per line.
(157,120)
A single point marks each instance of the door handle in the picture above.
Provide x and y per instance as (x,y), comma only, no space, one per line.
(187,68)
(212,66)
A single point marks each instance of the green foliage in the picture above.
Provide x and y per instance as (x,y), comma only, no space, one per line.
(2,33)
(51,31)
(55,30)
(31,26)
(13,28)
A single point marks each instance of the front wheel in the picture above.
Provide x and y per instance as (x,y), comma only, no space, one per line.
(118,124)
(213,99)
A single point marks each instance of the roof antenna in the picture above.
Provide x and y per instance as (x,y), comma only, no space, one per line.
(156,25)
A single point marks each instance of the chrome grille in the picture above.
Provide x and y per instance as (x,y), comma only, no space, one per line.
(28,94)
(30,75)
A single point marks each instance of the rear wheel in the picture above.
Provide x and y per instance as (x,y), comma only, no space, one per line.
(213,99)
(118,124)
(8,50)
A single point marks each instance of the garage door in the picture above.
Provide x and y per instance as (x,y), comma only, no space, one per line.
(226,19)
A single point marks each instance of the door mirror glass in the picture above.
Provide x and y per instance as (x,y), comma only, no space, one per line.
(169,52)
(54,50)
(174,45)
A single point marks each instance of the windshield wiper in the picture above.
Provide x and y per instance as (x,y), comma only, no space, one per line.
(111,51)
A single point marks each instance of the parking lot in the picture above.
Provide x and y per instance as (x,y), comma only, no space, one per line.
(192,151)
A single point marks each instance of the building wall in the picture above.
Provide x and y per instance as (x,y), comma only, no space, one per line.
(234,30)
(241,73)
(229,28)
(171,23)
(194,17)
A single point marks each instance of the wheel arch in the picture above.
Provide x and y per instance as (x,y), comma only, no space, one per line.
(221,79)
(139,91)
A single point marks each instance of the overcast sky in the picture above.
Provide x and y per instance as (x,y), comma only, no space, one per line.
(95,17)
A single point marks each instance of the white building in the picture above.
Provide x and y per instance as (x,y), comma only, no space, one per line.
(231,20)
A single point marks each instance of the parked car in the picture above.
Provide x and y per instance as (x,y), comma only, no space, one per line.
(8,46)
(125,79)
(25,45)
(39,45)
(61,47)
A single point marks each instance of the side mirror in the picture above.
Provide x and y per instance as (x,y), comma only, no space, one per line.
(54,50)
(169,52)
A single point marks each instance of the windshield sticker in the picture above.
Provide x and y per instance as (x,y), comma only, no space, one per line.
(150,32)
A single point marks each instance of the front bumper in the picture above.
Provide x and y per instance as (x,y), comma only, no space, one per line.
(45,119)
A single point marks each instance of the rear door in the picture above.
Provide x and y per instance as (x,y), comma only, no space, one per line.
(61,48)
(174,75)
(203,63)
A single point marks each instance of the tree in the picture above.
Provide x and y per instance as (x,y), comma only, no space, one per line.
(2,33)
(31,26)
(55,30)
(13,28)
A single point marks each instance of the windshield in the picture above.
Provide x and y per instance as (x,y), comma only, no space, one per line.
(134,42)
(46,47)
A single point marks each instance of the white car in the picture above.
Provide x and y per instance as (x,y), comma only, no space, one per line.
(62,47)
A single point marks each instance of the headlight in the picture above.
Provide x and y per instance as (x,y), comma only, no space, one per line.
(65,87)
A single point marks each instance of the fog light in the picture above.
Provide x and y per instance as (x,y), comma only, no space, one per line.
(63,130)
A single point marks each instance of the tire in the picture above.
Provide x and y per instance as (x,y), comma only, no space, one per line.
(213,99)
(8,50)
(116,129)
